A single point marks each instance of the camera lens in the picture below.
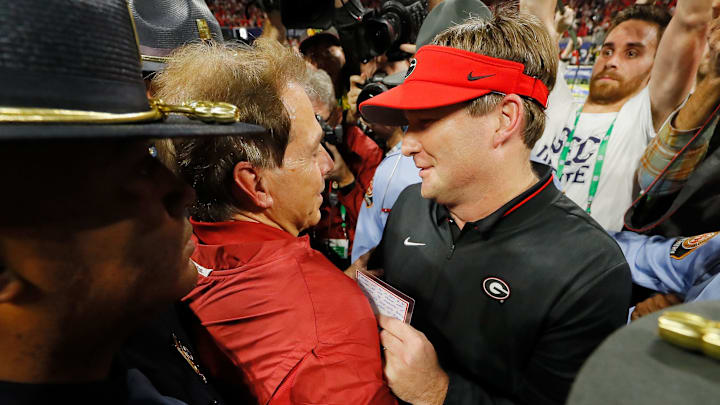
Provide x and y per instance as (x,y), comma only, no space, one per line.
(381,33)
(369,91)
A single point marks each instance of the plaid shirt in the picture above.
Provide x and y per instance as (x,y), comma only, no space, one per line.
(660,152)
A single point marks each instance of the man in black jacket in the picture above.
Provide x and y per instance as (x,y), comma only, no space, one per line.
(514,284)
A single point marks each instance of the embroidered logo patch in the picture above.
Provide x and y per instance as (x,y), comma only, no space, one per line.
(369,195)
(496,289)
(413,63)
(685,246)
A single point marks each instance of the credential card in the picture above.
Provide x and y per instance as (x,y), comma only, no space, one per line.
(385,299)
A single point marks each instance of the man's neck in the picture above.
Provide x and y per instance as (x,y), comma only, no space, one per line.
(492,198)
(262,219)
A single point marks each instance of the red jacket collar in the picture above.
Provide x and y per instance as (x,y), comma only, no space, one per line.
(232,232)
(236,244)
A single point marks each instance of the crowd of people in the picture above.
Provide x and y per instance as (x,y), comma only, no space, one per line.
(188,218)
(236,13)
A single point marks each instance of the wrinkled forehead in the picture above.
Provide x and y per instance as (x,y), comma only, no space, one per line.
(303,125)
(633,32)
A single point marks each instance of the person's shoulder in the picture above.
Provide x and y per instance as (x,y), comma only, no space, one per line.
(578,229)
(335,297)
(411,198)
(320,274)
(642,97)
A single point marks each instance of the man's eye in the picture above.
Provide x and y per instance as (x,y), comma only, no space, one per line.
(632,53)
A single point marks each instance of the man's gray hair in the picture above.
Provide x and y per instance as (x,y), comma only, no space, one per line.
(320,87)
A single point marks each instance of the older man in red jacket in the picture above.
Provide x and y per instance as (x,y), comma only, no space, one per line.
(296,329)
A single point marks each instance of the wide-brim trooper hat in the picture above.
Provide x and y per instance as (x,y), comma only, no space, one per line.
(648,361)
(165,25)
(71,69)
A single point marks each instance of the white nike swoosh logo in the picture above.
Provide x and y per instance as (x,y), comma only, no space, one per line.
(408,243)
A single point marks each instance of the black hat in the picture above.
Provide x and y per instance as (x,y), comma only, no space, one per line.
(330,36)
(164,25)
(636,366)
(71,69)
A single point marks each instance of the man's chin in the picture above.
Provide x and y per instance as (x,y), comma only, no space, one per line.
(609,92)
(426,191)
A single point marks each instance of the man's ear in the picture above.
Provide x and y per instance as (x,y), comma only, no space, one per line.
(250,185)
(10,285)
(510,116)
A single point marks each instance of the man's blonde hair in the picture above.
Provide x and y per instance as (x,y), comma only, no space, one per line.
(251,77)
(512,36)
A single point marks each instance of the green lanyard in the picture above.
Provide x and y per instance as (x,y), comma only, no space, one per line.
(598,162)
(342,215)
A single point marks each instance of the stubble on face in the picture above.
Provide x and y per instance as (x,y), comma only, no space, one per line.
(611,91)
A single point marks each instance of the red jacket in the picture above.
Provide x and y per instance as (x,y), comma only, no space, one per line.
(301,331)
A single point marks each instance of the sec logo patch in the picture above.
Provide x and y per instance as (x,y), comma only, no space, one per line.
(496,288)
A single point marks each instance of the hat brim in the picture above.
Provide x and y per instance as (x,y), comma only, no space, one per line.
(151,66)
(317,38)
(388,108)
(646,369)
(395,79)
(173,127)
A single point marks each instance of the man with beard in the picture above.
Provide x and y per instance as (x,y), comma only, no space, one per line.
(596,154)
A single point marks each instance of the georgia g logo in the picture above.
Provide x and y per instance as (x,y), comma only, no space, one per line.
(413,63)
(496,289)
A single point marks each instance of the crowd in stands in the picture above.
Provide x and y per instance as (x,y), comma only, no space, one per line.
(592,14)
(591,20)
(236,13)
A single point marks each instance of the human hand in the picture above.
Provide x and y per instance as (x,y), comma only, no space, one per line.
(411,365)
(356,85)
(340,171)
(653,304)
(409,48)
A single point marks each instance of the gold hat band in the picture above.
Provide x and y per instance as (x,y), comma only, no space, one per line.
(206,111)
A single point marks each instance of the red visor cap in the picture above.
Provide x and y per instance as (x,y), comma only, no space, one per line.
(440,76)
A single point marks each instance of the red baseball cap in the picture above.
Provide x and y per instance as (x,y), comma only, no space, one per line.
(440,76)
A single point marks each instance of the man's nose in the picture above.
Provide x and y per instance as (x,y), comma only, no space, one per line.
(326,162)
(611,61)
(410,143)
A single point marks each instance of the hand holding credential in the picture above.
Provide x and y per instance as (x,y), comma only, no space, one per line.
(411,365)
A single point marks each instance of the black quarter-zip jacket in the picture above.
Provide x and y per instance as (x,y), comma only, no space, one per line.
(513,303)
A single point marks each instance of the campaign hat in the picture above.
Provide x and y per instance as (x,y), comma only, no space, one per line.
(71,69)
(165,25)
(642,363)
